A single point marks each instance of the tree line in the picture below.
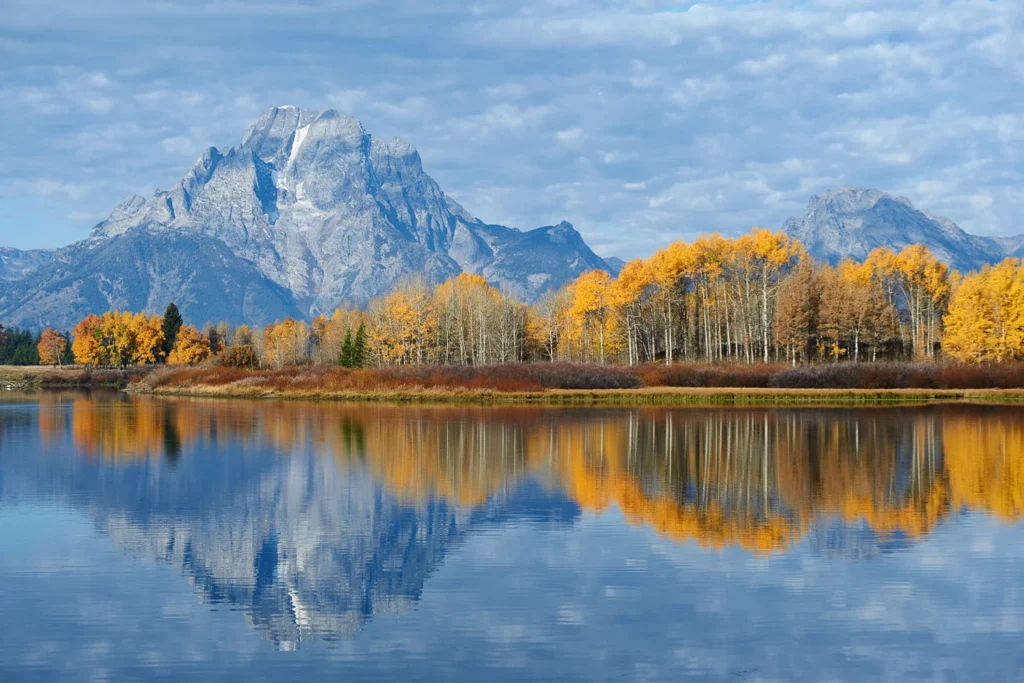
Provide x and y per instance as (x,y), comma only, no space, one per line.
(755,298)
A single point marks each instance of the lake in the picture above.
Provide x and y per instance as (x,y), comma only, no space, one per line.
(214,540)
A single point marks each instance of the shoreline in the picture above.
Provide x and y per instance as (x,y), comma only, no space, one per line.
(650,396)
(45,378)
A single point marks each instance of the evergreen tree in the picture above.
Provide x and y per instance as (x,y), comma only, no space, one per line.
(359,347)
(69,356)
(172,323)
(19,347)
(346,357)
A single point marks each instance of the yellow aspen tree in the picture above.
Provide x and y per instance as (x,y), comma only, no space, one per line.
(86,343)
(190,347)
(590,305)
(147,344)
(625,296)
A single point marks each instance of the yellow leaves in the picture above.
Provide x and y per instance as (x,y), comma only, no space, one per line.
(148,338)
(190,348)
(285,342)
(774,250)
(402,325)
(634,279)
(589,293)
(986,315)
(590,297)
(52,346)
(86,344)
(118,339)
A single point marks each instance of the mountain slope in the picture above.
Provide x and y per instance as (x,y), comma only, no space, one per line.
(16,264)
(310,212)
(152,268)
(850,223)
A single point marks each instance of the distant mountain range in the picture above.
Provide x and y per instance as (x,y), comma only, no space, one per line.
(311,212)
(850,223)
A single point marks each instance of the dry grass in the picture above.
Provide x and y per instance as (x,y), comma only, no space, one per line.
(728,384)
(886,375)
(48,377)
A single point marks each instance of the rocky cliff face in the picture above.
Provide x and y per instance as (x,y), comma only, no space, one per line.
(310,212)
(850,223)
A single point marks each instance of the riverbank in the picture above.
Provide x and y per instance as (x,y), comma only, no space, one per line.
(553,384)
(620,397)
(419,386)
(71,377)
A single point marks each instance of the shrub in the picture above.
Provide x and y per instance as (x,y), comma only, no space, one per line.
(242,356)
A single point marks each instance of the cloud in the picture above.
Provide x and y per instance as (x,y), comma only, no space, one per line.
(711,116)
(180,145)
(569,136)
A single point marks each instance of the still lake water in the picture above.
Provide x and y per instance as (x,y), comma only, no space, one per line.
(147,539)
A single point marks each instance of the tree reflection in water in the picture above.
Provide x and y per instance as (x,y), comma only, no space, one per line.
(314,516)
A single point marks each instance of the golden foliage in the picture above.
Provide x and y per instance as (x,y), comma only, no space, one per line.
(285,342)
(118,339)
(986,315)
(190,348)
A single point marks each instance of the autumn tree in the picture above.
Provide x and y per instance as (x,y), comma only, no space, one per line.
(796,312)
(286,342)
(241,351)
(552,324)
(590,311)
(629,293)
(52,345)
(986,315)
(191,347)
(86,341)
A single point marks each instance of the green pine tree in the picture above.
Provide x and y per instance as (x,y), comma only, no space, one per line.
(69,355)
(172,323)
(359,347)
(347,351)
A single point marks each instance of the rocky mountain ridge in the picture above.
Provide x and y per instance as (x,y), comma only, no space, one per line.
(851,222)
(310,212)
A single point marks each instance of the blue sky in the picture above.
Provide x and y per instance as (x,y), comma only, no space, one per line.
(640,121)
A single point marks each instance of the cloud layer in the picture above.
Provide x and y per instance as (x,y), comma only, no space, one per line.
(640,121)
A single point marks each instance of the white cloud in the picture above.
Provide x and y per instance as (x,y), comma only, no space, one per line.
(731,113)
(180,145)
(569,136)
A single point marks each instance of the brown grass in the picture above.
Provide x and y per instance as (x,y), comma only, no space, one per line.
(70,377)
(576,383)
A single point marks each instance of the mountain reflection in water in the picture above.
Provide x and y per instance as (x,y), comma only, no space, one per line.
(312,517)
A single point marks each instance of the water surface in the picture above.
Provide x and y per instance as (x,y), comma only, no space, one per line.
(219,540)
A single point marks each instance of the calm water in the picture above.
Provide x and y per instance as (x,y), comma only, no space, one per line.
(191,540)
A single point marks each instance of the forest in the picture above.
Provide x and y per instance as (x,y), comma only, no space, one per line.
(758,298)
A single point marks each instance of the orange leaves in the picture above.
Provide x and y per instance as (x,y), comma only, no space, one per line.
(86,343)
(52,346)
(118,339)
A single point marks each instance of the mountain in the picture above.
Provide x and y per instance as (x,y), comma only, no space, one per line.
(850,223)
(310,212)
(16,264)
(308,544)
(615,264)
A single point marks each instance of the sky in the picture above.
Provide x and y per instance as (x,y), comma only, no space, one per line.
(640,122)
